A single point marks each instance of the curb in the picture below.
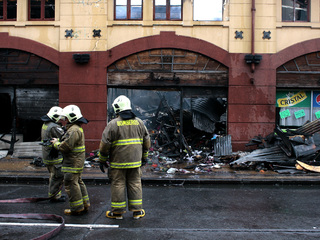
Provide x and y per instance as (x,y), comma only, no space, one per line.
(172,181)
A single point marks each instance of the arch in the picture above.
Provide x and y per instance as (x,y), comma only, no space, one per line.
(33,78)
(168,40)
(167,67)
(297,69)
(294,51)
(141,79)
(31,46)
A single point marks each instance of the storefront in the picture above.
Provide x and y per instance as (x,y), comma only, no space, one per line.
(295,108)
(29,87)
(177,92)
(297,97)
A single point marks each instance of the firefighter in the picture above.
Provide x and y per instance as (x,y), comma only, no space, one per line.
(52,128)
(72,147)
(124,147)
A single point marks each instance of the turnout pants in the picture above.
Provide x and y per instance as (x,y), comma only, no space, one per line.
(55,180)
(126,183)
(77,191)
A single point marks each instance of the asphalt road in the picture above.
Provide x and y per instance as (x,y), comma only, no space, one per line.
(177,212)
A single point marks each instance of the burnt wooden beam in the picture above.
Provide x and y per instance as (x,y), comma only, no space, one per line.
(166,79)
(298,79)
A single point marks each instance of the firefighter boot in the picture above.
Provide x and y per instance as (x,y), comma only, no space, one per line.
(74,213)
(113,215)
(139,214)
(86,207)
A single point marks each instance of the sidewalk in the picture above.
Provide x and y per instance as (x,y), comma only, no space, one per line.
(15,170)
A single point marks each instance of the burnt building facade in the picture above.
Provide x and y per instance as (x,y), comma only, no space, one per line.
(239,69)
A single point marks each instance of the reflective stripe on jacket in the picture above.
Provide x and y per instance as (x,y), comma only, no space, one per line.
(50,130)
(72,146)
(124,143)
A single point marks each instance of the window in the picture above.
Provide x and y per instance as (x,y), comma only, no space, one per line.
(295,10)
(128,10)
(167,10)
(207,10)
(296,107)
(8,10)
(42,10)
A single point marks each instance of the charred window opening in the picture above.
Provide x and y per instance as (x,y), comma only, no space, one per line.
(31,83)
(32,103)
(180,95)
(177,125)
(6,116)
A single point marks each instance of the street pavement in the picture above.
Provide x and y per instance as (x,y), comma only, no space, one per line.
(225,203)
(191,211)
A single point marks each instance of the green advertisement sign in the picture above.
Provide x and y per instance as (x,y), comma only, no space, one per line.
(299,114)
(285,114)
(293,99)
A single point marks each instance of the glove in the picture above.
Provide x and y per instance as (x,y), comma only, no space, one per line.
(143,162)
(102,165)
(54,140)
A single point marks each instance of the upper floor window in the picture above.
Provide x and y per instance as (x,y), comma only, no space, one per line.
(8,10)
(167,10)
(42,10)
(295,10)
(207,10)
(128,10)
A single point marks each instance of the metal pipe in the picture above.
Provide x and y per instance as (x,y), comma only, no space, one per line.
(253,13)
(181,123)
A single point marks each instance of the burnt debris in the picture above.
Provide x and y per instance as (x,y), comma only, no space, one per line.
(175,138)
(280,150)
(184,131)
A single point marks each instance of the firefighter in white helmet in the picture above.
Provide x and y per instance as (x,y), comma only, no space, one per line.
(124,145)
(52,128)
(72,147)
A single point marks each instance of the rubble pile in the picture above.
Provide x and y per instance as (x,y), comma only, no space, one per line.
(198,162)
(281,150)
(190,151)
(173,150)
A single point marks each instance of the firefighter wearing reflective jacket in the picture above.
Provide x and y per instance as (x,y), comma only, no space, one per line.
(72,146)
(52,158)
(124,145)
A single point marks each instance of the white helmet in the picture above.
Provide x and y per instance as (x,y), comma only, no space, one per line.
(72,112)
(121,103)
(55,113)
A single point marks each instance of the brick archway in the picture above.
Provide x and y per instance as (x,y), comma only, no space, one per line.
(27,45)
(297,69)
(294,51)
(29,77)
(168,40)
